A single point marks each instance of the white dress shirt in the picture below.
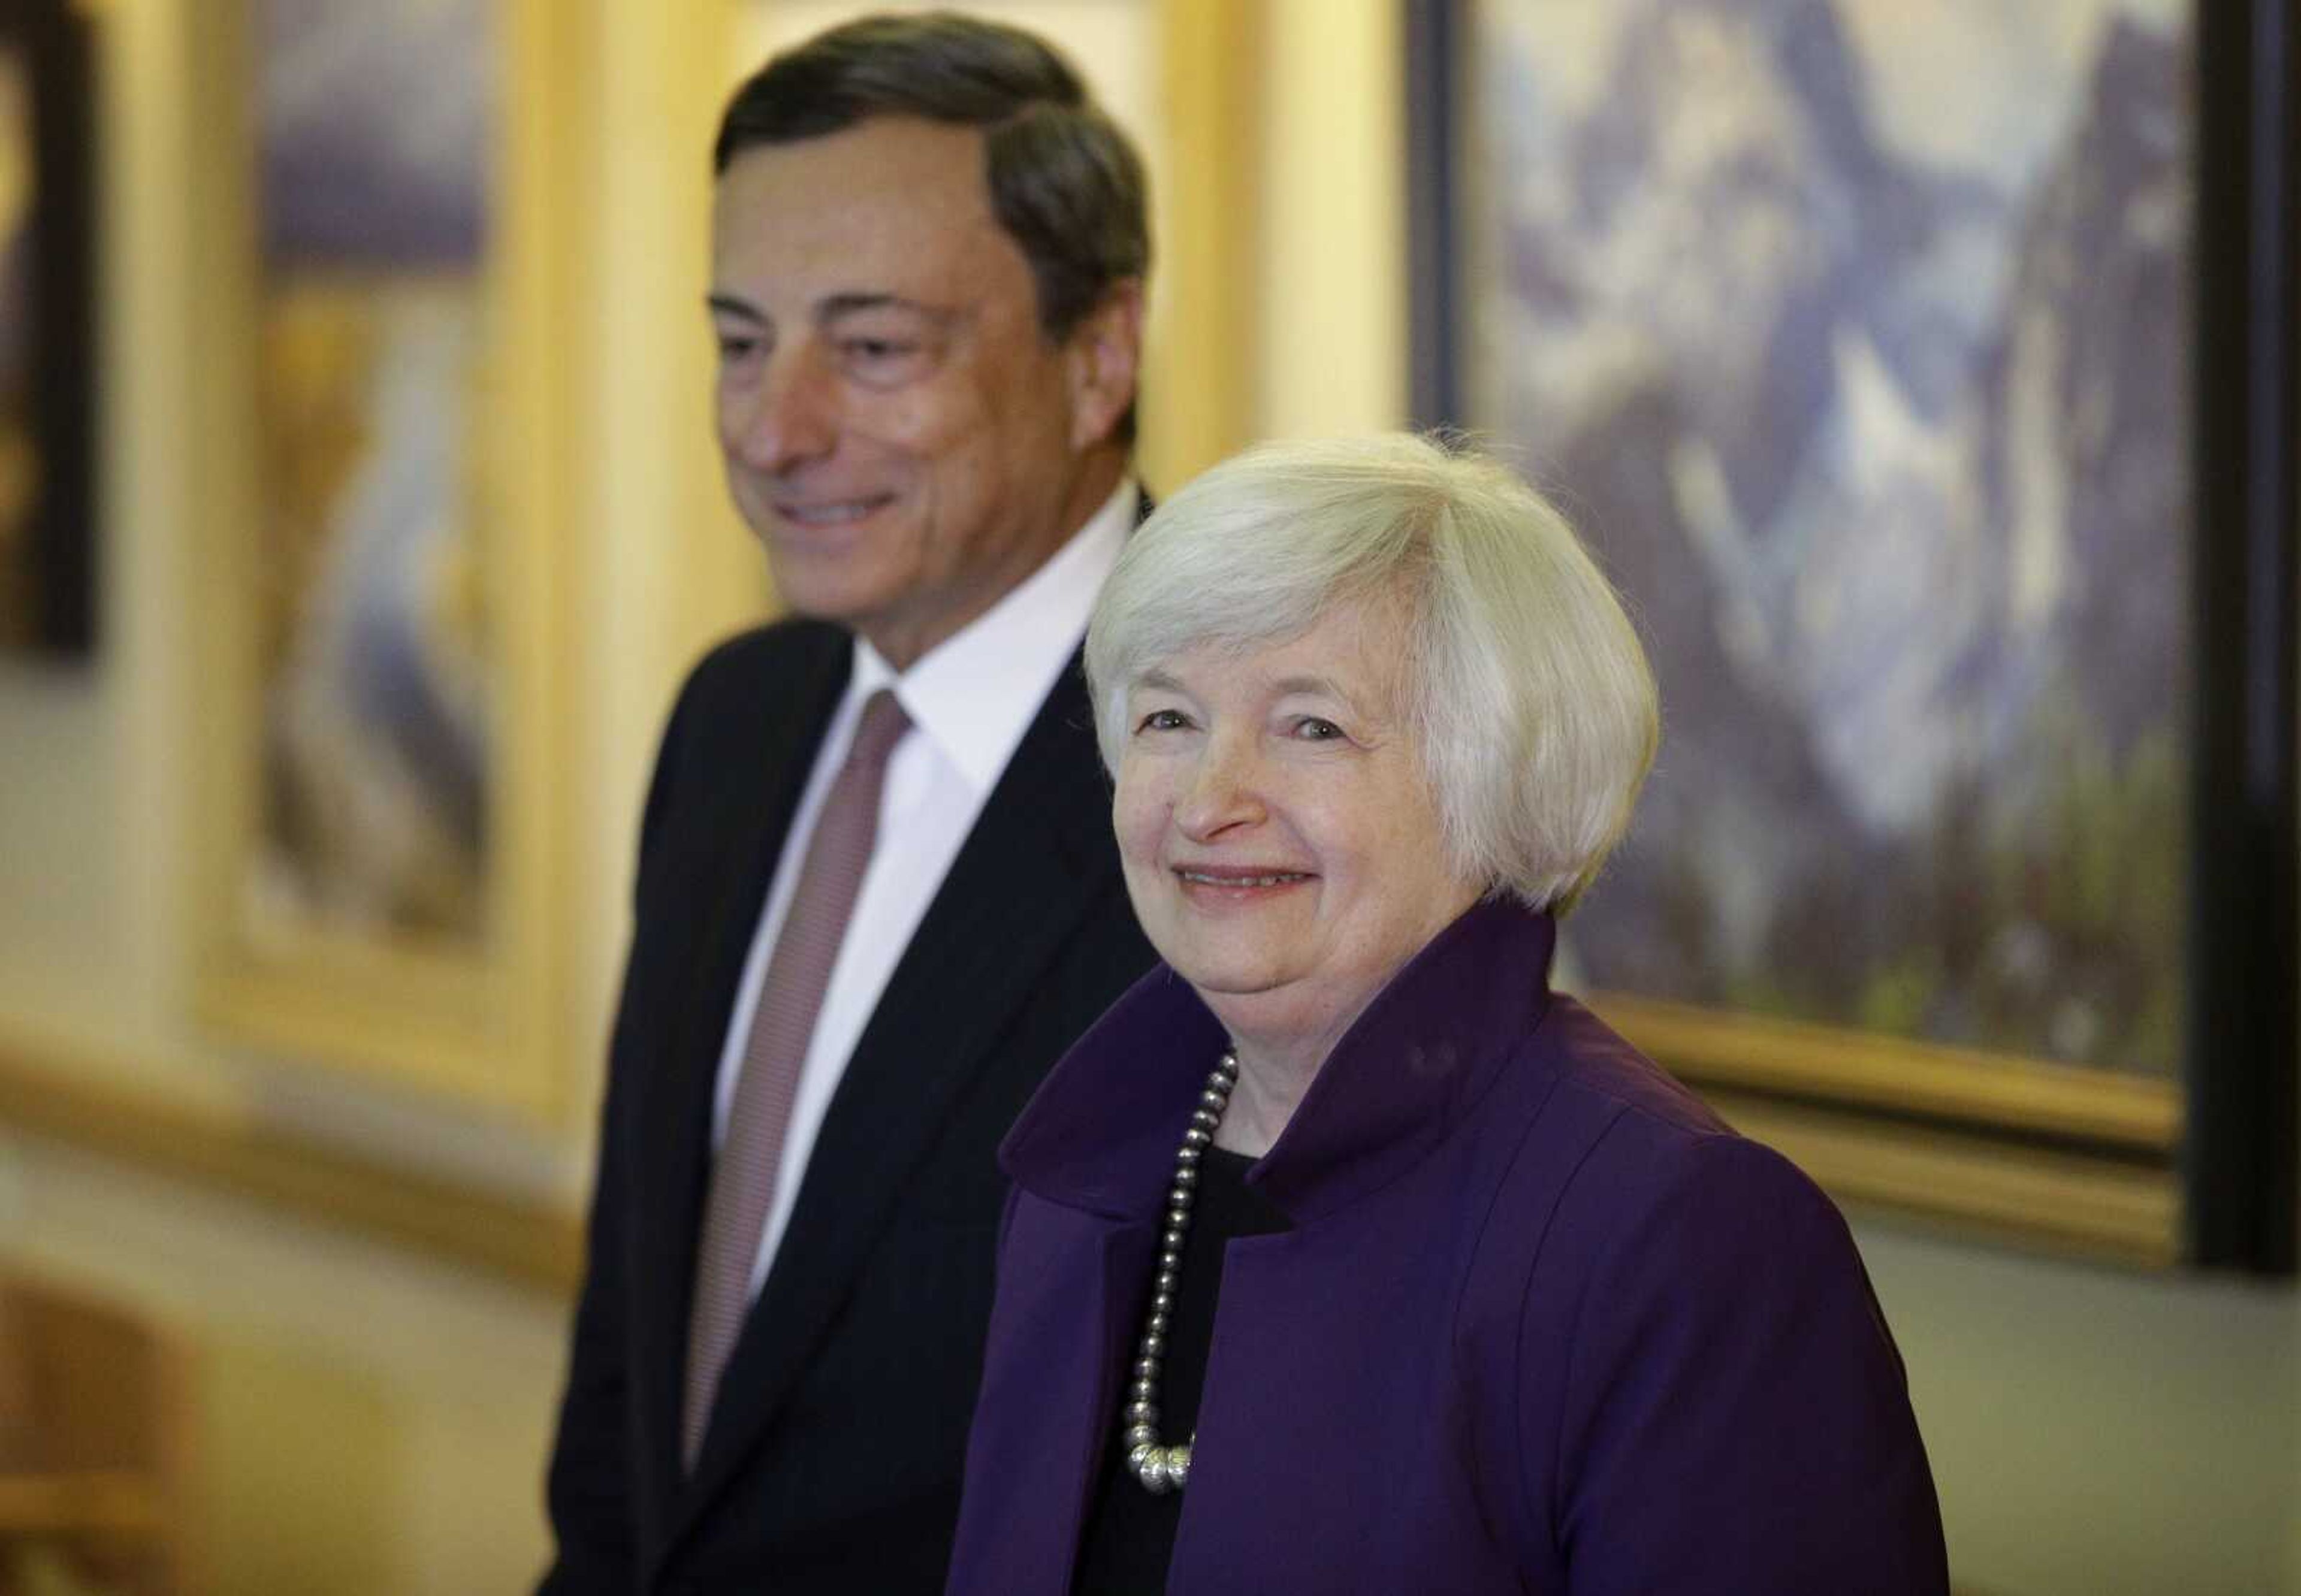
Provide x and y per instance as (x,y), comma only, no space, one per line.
(970,698)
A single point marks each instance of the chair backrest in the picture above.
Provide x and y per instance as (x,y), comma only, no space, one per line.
(94,1433)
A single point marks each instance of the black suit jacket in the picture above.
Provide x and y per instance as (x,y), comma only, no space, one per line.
(833,1459)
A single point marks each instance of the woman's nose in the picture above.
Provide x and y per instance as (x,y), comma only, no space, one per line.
(1224,792)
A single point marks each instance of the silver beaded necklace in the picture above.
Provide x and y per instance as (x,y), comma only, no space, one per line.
(1164,1469)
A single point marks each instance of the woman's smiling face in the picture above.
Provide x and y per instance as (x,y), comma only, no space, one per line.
(1280,841)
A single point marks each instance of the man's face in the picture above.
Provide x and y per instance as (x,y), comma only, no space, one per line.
(897,428)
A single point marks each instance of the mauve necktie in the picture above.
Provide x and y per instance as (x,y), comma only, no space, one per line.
(750,1153)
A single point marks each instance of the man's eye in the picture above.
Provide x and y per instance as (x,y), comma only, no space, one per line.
(878,357)
(737,346)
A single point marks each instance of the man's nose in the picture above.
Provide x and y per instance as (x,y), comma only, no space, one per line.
(1224,792)
(790,415)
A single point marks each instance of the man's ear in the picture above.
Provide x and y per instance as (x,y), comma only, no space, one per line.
(1102,358)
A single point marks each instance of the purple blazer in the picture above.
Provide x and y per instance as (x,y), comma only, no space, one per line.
(1544,1323)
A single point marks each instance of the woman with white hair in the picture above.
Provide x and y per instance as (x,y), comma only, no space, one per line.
(1343,1255)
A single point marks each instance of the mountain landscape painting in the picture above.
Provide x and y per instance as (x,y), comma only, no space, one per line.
(1856,335)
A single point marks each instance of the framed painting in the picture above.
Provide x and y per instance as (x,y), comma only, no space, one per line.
(381,895)
(47,348)
(1924,378)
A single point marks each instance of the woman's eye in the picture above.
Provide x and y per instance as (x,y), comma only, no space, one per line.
(1314,728)
(1163,720)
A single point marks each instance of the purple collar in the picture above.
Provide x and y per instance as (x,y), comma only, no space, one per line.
(1101,1132)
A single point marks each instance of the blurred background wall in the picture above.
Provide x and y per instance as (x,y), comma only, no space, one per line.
(372,1285)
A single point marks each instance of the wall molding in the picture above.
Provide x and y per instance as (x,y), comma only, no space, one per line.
(47,1096)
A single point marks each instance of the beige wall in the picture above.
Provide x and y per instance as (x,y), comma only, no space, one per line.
(2097,1432)
(374,1420)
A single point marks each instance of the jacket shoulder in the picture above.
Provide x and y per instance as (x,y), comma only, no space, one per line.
(1600,1071)
(730,699)
(1612,1145)
(747,680)
(1653,1292)
(734,666)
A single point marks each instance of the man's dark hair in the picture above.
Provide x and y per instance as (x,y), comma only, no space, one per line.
(1064,183)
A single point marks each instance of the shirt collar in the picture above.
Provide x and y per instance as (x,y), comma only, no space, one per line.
(1101,1132)
(974,694)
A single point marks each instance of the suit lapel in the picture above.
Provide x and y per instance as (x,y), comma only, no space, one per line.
(1038,858)
(755,778)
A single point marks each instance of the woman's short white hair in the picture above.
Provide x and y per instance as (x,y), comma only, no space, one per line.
(1524,682)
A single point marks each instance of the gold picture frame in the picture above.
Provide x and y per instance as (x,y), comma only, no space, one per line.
(2064,1157)
(385,421)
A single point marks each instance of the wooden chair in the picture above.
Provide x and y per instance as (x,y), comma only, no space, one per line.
(92,1443)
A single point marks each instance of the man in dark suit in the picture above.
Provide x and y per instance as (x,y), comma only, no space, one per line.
(877,894)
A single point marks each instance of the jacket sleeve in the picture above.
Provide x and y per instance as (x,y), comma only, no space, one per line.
(1732,1415)
(591,1485)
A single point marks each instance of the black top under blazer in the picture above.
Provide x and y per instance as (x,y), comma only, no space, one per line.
(833,1458)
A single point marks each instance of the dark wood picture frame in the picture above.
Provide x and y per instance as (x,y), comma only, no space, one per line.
(53,608)
(2200,1170)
